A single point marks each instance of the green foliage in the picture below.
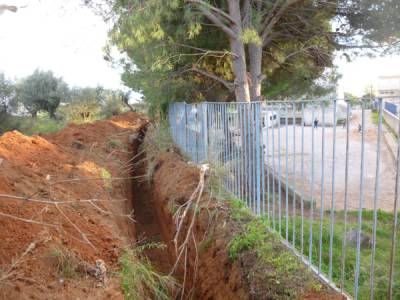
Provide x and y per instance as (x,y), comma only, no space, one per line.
(6,93)
(277,273)
(162,39)
(31,126)
(114,144)
(377,22)
(106,176)
(139,279)
(41,91)
(113,105)
(383,245)
(351,98)
(253,234)
(239,210)
(84,105)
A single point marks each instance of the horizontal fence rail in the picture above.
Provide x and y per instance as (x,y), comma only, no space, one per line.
(324,175)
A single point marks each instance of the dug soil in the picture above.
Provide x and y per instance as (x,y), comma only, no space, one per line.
(65,203)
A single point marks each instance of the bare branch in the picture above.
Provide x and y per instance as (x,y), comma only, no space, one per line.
(28,220)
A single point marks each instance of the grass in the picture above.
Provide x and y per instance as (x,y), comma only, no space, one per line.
(32,126)
(382,256)
(375,120)
(106,176)
(114,144)
(275,272)
(66,262)
(139,279)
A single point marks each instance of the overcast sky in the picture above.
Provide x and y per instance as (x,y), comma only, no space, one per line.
(66,37)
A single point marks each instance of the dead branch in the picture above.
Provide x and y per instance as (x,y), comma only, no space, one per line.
(28,220)
(85,238)
(181,216)
(10,272)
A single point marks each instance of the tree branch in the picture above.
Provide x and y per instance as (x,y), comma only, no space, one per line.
(273,19)
(229,85)
(214,18)
(218,11)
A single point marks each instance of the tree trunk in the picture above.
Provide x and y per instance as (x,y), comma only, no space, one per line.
(255,62)
(242,92)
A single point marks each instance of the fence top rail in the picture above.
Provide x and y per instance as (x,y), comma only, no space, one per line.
(393,98)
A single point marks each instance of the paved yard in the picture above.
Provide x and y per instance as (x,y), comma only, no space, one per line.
(387,172)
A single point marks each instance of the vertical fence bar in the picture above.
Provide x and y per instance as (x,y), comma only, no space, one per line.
(321,212)
(346,198)
(267,145)
(258,146)
(246,155)
(332,216)
(279,173)
(252,155)
(361,204)
(238,160)
(310,244)
(376,195)
(255,158)
(395,220)
(243,150)
(262,121)
(294,176)
(287,173)
(224,146)
(273,171)
(302,180)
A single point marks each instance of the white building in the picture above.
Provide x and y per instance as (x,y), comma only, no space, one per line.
(389,87)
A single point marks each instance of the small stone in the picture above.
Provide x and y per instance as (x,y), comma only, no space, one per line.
(365,240)
(78,145)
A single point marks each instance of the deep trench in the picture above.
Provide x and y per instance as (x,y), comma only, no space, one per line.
(148,229)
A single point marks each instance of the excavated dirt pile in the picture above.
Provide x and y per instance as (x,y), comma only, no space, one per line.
(65,209)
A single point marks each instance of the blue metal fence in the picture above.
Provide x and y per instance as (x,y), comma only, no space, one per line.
(391,107)
(293,165)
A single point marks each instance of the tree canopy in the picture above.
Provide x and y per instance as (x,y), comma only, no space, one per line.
(41,91)
(6,93)
(207,50)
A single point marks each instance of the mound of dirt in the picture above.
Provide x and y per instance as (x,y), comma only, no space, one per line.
(65,203)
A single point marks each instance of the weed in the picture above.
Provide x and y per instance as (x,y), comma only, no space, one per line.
(206,243)
(114,144)
(139,278)
(275,272)
(106,176)
(66,262)
(158,140)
